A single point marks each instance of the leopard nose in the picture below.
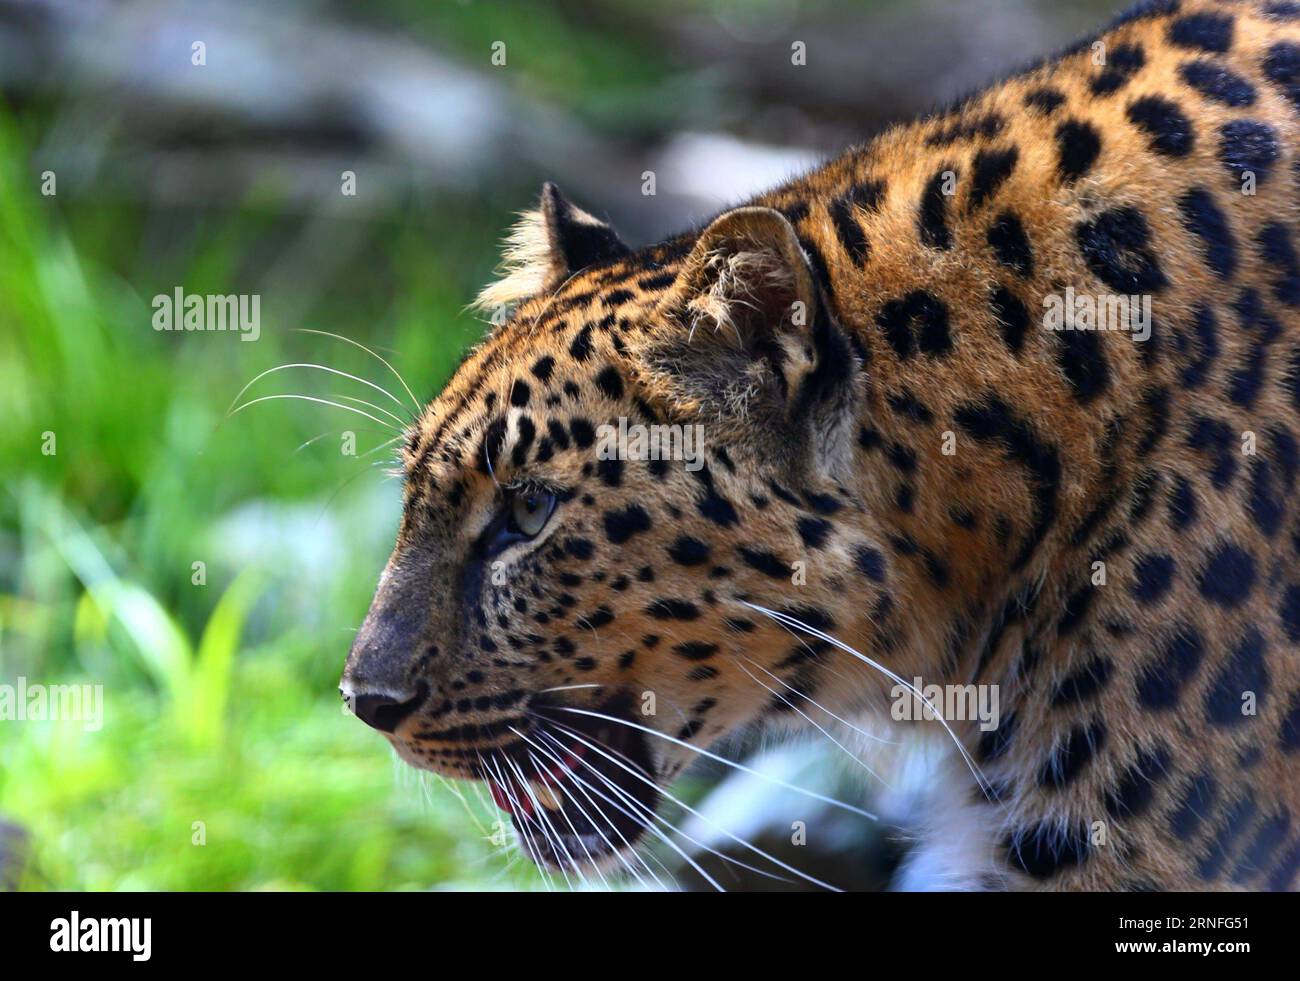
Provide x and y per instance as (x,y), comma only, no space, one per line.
(377,684)
(385,712)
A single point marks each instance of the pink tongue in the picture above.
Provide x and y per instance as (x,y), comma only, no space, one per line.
(503,800)
(573,755)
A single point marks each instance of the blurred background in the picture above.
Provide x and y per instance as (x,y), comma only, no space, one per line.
(146,146)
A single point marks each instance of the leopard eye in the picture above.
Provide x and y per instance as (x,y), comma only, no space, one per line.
(529,511)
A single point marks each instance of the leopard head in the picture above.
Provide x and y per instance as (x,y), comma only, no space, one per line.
(626,520)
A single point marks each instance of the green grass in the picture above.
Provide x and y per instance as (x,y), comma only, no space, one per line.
(294,797)
(220,704)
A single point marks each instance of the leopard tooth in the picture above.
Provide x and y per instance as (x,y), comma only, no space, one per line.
(549,797)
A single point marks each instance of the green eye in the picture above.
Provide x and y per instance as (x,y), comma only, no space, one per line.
(530,511)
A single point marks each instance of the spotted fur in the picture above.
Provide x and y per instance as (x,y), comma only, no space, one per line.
(830,336)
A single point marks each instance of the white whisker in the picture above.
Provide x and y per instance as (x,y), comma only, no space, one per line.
(813,722)
(318,367)
(647,825)
(335,432)
(544,822)
(347,340)
(713,824)
(524,833)
(570,688)
(596,807)
(731,763)
(730,860)
(794,621)
(564,814)
(307,398)
(384,445)
(819,706)
(401,423)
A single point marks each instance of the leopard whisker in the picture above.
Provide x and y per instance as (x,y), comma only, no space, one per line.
(592,684)
(641,810)
(818,705)
(813,722)
(632,801)
(584,786)
(813,653)
(633,771)
(527,835)
(333,432)
(842,805)
(445,784)
(305,398)
(548,830)
(541,749)
(347,340)
(648,825)
(371,405)
(317,367)
(384,445)
(978,774)
(512,835)
(487,460)
(489,807)
(595,866)
(662,836)
(671,703)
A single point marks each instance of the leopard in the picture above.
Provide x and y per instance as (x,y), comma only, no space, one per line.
(1004,399)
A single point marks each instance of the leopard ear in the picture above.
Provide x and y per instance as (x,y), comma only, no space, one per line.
(577,239)
(744,328)
(546,247)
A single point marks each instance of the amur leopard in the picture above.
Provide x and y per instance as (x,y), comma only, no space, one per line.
(1009,396)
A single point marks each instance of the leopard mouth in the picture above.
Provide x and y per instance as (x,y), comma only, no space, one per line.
(580,790)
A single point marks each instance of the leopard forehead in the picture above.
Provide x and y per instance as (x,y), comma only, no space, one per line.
(555,357)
